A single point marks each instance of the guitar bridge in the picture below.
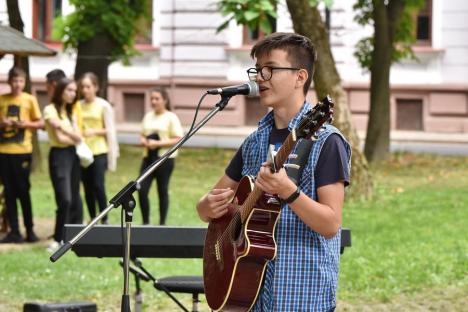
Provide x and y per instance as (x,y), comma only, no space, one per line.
(217,251)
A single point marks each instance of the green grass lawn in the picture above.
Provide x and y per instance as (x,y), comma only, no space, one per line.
(409,247)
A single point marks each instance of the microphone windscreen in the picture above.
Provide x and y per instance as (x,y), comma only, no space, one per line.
(254,90)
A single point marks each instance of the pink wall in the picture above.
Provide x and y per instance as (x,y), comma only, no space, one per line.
(444,108)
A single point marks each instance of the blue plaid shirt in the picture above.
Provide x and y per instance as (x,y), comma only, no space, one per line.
(304,274)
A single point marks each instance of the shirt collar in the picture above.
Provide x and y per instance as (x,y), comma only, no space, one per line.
(267,121)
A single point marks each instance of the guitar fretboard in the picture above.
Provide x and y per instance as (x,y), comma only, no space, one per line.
(280,159)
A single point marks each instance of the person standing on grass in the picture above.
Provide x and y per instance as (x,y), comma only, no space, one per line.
(99,133)
(64,167)
(19,117)
(304,274)
(161,129)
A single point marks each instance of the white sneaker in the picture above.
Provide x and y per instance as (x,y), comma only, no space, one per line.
(54,246)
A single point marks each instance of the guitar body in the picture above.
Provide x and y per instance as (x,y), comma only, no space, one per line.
(235,257)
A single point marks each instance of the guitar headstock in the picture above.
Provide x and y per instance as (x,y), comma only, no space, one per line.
(315,118)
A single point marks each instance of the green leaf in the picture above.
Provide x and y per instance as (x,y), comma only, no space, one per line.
(251,15)
(265,26)
(328,3)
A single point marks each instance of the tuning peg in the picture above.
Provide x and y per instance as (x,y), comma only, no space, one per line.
(292,156)
(330,100)
(330,120)
(294,166)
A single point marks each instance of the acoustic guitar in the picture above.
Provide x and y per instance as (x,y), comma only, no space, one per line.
(239,244)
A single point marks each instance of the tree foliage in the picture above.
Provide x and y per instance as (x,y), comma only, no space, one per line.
(255,14)
(404,37)
(91,17)
(252,13)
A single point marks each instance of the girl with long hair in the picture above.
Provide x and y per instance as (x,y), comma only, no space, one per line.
(62,125)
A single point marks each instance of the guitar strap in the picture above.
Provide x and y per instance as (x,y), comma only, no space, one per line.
(302,152)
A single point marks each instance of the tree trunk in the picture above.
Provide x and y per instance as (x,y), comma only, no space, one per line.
(94,56)
(16,22)
(308,22)
(385,17)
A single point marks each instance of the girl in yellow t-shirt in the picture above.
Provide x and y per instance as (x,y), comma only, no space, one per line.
(99,133)
(161,129)
(61,122)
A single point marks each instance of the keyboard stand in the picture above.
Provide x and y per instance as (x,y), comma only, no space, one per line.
(155,242)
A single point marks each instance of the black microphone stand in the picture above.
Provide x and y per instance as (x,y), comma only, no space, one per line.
(125,198)
(138,276)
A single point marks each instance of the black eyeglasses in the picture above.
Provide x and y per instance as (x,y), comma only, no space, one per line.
(266,72)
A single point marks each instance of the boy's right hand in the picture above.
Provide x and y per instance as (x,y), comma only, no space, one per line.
(215,204)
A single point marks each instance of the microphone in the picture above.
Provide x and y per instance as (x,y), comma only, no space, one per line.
(250,89)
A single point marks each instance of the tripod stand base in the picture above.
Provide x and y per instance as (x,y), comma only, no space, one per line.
(125,305)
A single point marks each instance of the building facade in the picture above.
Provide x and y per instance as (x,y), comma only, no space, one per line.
(183,51)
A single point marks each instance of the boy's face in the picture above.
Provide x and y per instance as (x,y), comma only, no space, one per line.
(282,87)
(17,85)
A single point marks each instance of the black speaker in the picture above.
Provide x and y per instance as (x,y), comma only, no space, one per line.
(60,307)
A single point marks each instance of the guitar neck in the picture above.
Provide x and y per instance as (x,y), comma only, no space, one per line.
(306,128)
(280,159)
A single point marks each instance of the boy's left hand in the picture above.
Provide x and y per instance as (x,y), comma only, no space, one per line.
(275,182)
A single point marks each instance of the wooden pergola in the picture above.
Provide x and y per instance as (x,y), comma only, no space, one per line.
(15,42)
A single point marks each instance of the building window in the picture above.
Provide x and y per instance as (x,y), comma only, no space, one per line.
(409,114)
(44,12)
(423,25)
(42,98)
(134,106)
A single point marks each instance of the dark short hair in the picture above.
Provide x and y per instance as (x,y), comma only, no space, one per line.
(16,72)
(301,51)
(164,94)
(55,75)
(57,97)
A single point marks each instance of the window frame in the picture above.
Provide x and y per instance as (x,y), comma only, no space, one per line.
(48,17)
(427,11)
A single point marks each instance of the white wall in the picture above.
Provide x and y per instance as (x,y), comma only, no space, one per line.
(186,45)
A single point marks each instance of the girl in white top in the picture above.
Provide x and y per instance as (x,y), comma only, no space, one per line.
(161,129)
